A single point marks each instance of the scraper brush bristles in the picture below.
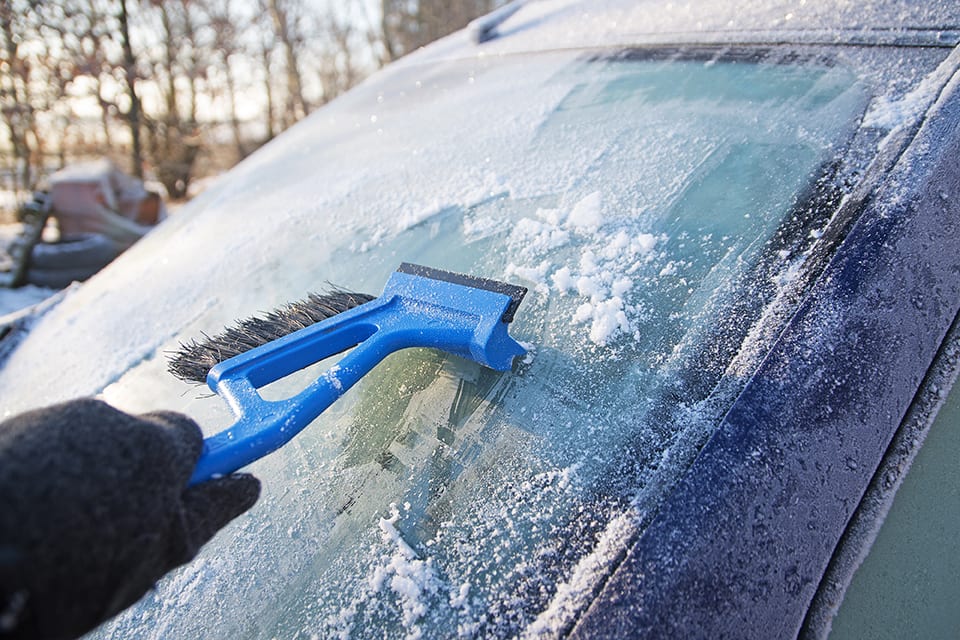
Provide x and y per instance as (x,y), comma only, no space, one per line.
(194,359)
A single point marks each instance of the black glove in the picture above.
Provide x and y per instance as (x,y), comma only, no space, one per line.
(94,509)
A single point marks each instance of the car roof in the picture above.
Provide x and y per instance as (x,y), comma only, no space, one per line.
(537,25)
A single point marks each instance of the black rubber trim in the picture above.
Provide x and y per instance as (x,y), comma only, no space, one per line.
(515,292)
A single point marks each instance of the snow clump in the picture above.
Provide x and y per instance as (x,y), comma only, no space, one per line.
(602,267)
(409,577)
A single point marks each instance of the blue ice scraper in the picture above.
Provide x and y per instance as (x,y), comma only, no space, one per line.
(419,307)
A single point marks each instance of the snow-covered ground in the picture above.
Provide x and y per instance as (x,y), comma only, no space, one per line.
(15,299)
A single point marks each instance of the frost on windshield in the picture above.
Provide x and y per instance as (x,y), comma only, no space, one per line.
(652,203)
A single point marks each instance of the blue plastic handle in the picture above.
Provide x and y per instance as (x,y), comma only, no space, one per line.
(413,311)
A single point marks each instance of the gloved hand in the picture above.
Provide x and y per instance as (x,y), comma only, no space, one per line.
(94,509)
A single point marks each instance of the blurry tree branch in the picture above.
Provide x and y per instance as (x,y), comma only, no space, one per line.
(286,25)
(16,100)
(174,143)
(167,86)
(129,67)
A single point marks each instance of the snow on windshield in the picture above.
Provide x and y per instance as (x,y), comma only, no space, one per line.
(637,195)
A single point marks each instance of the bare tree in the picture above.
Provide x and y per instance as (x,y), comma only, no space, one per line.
(56,103)
(266,43)
(336,68)
(92,29)
(194,69)
(129,67)
(81,31)
(173,145)
(226,45)
(150,64)
(16,99)
(285,15)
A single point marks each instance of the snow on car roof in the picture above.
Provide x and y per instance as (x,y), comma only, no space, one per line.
(537,25)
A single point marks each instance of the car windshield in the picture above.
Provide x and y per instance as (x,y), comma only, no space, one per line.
(657,204)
